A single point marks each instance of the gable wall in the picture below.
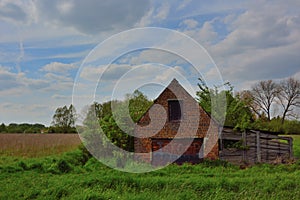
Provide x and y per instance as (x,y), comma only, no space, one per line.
(191,126)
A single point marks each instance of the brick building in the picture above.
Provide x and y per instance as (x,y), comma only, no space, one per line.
(175,128)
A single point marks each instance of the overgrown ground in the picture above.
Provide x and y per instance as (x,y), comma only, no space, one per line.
(74,176)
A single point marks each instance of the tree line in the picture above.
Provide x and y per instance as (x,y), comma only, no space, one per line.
(63,121)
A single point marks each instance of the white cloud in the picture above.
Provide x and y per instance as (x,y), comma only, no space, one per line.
(183,4)
(190,23)
(154,56)
(259,40)
(9,80)
(92,16)
(206,35)
(112,72)
(57,67)
(18,11)
(25,99)
(162,12)
(32,113)
(156,13)
(263,43)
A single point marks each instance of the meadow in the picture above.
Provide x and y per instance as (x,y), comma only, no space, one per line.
(75,175)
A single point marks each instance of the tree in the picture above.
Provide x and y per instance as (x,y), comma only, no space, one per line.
(248,99)
(3,128)
(264,94)
(64,119)
(138,105)
(289,96)
(212,100)
(237,114)
(115,124)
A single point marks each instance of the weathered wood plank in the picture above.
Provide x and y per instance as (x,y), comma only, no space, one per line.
(258,147)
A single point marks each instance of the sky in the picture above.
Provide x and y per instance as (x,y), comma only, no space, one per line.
(47,48)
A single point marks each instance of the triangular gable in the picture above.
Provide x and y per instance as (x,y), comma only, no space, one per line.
(175,85)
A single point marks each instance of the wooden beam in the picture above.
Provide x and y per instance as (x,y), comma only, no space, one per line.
(258,153)
(291,147)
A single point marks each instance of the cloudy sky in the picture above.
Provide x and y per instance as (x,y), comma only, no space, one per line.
(43,43)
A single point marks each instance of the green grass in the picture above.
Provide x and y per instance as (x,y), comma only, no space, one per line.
(68,177)
(296,145)
(74,176)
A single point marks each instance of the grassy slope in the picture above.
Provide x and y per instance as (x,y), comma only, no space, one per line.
(69,177)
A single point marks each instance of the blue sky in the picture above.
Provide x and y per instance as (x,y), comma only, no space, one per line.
(43,44)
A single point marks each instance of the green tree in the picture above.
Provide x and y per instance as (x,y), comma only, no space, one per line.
(64,120)
(224,104)
(117,125)
(3,128)
(138,105)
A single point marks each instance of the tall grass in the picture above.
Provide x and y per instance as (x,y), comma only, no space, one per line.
(75,175)
(296,145)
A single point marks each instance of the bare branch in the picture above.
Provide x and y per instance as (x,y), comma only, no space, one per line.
(289,96)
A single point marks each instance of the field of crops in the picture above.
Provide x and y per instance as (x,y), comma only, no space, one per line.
(36,145)
(74,175)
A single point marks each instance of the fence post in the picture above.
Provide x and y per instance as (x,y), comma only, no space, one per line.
(244,146)
(220,129)
(258,150)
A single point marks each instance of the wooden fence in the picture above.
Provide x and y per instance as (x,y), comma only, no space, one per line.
(254,147)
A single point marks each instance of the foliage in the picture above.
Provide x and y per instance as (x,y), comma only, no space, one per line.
(236,113)
(22,128)
(3,128)
(242,108)
(64,120)
(138,105)
(275,125)
(117,123)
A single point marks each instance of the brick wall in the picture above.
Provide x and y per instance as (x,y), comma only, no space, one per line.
(155,123)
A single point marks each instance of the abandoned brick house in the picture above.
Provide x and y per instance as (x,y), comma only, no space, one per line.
(174,129)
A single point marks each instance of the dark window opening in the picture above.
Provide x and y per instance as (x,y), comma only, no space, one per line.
(174,110)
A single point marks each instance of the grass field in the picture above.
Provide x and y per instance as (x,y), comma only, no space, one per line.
(73,175)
